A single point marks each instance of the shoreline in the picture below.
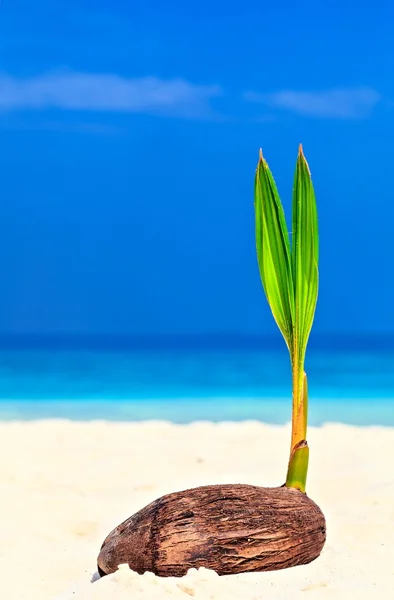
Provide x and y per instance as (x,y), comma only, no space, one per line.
(355,411)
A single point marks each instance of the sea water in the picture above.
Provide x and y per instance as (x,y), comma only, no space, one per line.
(350,381)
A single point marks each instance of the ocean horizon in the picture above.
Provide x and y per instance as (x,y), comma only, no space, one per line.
(188,378)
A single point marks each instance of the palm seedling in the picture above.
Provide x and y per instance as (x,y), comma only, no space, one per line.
(238,528)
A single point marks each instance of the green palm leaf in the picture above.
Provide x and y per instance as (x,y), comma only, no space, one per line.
(273,250)
(304,256)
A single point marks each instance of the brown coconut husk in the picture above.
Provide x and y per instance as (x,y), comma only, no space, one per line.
(227,528)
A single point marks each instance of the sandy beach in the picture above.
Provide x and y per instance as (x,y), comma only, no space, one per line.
(65,485)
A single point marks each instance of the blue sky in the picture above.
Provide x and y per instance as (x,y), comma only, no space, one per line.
(130,134)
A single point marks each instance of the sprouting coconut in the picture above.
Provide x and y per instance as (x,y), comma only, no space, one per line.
(239,528)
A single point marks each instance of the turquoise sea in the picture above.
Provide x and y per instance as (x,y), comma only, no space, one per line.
(351,380)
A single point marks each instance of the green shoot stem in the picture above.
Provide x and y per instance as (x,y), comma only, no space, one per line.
(299,451)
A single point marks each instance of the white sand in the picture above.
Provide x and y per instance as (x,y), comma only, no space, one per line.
(64,486)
